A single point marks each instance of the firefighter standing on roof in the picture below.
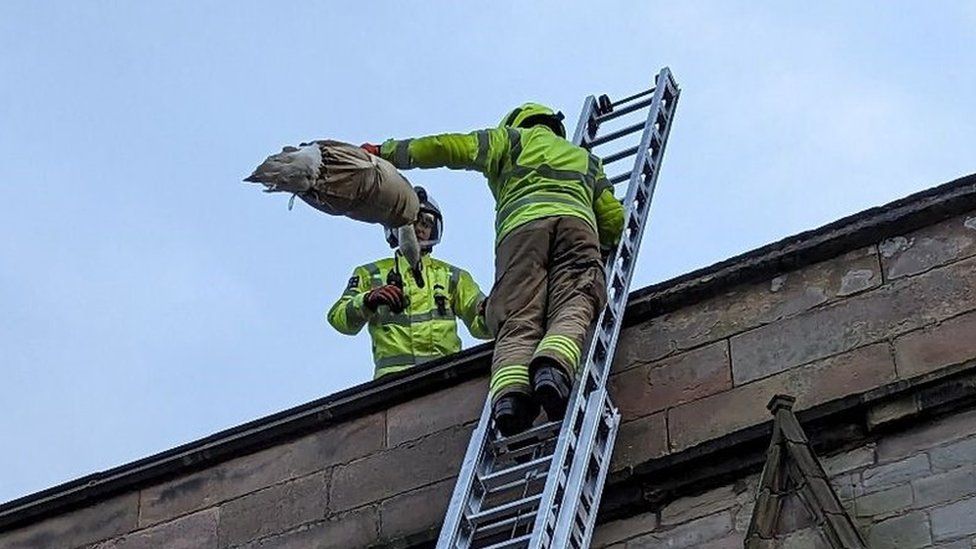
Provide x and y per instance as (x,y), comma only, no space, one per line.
(554,211)
(409,325)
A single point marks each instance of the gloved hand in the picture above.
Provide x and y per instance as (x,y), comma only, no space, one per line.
(371,148)
(389,295)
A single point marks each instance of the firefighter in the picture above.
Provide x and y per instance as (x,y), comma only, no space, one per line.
(410,325)
(554,214)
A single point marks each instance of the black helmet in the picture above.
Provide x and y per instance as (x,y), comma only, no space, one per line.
(430,212)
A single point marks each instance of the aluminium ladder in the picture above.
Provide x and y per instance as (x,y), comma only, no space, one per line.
(541,488)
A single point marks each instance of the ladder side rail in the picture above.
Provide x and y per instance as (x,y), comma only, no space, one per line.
(461,497)
(642,181)
(601,477)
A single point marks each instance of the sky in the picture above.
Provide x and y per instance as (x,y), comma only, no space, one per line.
(149,298)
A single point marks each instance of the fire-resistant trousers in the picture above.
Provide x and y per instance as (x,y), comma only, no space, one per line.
(549,286)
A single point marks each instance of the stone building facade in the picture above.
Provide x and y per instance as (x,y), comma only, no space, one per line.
(870,322)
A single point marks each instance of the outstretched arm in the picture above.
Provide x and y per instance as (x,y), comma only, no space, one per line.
(477,151)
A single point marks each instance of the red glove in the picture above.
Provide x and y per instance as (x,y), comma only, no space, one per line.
(389,295)
(371,148)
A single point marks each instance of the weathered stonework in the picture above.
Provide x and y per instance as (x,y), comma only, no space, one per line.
(870,323)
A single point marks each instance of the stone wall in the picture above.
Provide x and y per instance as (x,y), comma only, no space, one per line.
(875,316)
(910,490)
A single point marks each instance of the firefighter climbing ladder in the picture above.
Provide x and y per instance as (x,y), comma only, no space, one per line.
(541,488)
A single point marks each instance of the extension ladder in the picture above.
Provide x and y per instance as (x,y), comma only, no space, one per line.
(542,488)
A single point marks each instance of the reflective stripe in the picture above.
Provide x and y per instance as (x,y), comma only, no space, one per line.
(482,158)
(538,198)
(507,376)
(455,276)
(401,156)
(563,345)
(396,360)
(407,320)
(401,362)
(374,275)
(515,146)
(353,314)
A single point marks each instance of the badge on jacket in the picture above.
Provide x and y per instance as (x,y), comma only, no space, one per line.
(353,283)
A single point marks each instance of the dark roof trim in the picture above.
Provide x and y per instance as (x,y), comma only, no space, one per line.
(850,233)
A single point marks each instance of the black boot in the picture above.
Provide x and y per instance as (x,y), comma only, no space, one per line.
(551,386)
(513,413)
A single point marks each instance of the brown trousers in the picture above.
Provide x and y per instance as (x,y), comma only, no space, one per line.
(549,286)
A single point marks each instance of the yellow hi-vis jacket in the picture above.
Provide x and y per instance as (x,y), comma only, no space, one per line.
(427,328)
(532,173)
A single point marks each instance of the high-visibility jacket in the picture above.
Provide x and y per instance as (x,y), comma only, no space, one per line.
(427,328)
(532,173)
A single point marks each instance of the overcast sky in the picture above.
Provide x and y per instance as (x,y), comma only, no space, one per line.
(149,298)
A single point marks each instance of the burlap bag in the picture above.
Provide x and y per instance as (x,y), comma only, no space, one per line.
(361,186)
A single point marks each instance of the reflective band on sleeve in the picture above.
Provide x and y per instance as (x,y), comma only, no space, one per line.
(353,314)
(515,146)
(374,275)
(482,159)
(455,276)
(401,156)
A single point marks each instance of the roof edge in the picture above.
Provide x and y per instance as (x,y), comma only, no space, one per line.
(852,232)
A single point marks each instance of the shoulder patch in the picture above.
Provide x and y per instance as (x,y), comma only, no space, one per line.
(353,283)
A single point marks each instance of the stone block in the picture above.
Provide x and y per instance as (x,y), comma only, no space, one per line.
(246,474)
(196,531)
(903,532)
(428,414)
(808,538)
(355,529)
(409,466)
(689,534)
(656,386)
(716,415)
(954,455)
(881,314)
(748,306)
(274,510)
(640,440)
(927,435)
(104,520)
(620,530)
(929,247)
(415,511)
(944,487)
(954,520)
(886,412)
(692,507)
(848,461)
(891,474)
(882,504)
(735,540)
(935,347)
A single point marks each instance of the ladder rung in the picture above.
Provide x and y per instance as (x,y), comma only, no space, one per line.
(519,472)
(542,432)
(522,541)
(611,158)
(630,98)
(620,178)
(616,134)
(626,110)
(508,524)
(487,515)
